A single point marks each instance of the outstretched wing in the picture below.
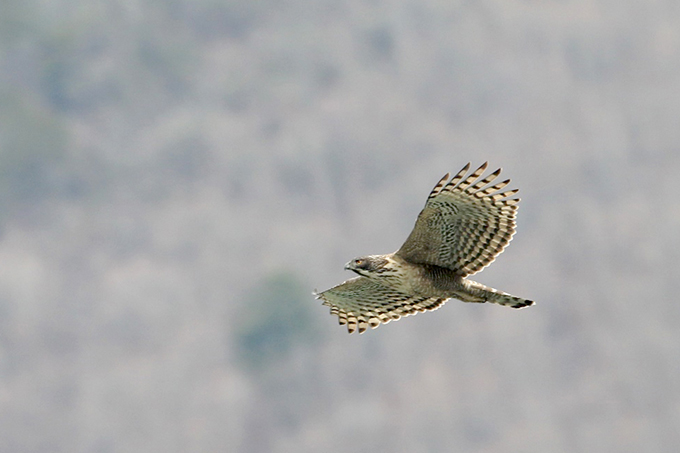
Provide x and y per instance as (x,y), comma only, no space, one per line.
(465,224)
(361,302)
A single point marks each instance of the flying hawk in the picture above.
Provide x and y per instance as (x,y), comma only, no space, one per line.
(466,222)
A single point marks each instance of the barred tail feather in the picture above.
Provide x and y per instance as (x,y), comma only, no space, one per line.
(482,293)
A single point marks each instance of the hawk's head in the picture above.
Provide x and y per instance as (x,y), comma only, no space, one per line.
(368,266)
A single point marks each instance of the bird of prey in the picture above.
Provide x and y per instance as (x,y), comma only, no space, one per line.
(466,222)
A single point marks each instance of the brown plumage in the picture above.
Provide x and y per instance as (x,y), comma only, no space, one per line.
(466,222)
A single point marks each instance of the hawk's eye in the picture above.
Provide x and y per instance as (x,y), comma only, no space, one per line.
(359,262)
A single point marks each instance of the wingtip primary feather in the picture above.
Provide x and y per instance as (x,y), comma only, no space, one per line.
(476,189)
(438,187)
(456,179)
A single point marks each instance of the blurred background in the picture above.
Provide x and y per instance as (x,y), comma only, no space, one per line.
(177,177)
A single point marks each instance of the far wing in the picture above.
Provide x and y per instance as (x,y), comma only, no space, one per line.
(361,302)
(465,224)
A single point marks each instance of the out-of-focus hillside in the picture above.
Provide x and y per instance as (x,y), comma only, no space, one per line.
(177,177)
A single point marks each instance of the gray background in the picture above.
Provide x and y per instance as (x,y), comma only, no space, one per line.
(177,177)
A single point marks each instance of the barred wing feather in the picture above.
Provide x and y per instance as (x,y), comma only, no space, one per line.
(465,224)
(361,302)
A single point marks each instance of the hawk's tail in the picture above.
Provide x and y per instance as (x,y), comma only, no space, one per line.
(482,293)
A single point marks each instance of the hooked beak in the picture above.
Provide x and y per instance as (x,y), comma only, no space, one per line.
(348,266)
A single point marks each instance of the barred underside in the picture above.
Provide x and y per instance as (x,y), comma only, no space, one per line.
(465,224)
(362,302)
